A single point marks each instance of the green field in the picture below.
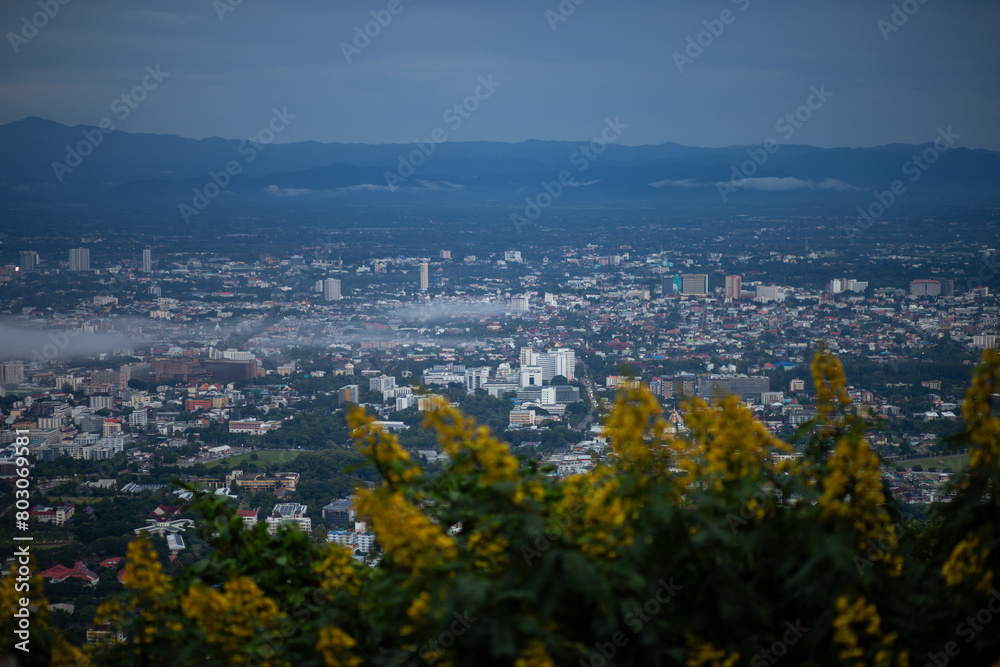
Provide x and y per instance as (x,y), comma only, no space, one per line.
(264,457)
(954,461)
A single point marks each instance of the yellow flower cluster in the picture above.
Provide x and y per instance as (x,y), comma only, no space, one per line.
(231,618)
(489,549)
(852,489)
(457,433)
(637,430)
(335,646)
(831,383)
(336,570)
(983,425)
(407,534)
(392,461)
(143,571)
(969,559)
(727,444)
(534,655)
(862,617)
(596,512)
(703,653)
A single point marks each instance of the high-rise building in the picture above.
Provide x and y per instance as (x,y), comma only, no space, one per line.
(79,259)
(349,394)
(29,261)
(734,287)
(947,287)
(528,356)
(925,288)
(768,293)
(331,289)
(147,260)
(424,281)
(12,372)
(520,304)
(694,284)
(446,254)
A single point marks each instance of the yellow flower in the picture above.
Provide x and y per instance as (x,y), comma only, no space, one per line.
(407,534)
(534,655)
(143,571)
(231,618)
(969,559)
(335,645)
(337,571)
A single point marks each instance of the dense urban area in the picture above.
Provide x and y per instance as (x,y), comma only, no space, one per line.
(140,367)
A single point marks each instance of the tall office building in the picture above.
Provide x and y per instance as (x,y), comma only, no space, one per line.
(423,277)
(694,284)
(29,261)
(349,394)
(947,287)
(528,356)
(925,288)
(147,260)
(734,287)
(79,259)
(12,372)
(331,289)
(768,293)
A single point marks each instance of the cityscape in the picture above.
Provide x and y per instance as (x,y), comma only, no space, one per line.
(499,335)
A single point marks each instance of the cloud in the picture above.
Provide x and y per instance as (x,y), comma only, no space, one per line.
(286,192)
(787,183)
(368,187)
(684,183)
(441,185)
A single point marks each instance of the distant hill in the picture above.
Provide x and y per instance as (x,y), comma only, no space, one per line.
(44,161)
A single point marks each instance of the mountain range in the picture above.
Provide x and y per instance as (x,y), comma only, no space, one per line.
(44,161)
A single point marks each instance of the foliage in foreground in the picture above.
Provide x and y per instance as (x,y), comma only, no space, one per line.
(694,550)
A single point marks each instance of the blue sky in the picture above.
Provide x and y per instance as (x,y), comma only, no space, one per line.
(225,75)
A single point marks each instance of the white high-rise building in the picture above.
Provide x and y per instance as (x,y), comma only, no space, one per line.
(519,304)
(29,261)
(531,376)
(424,277)
(331,289)
(79,259)
(147,260)
(768,293)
